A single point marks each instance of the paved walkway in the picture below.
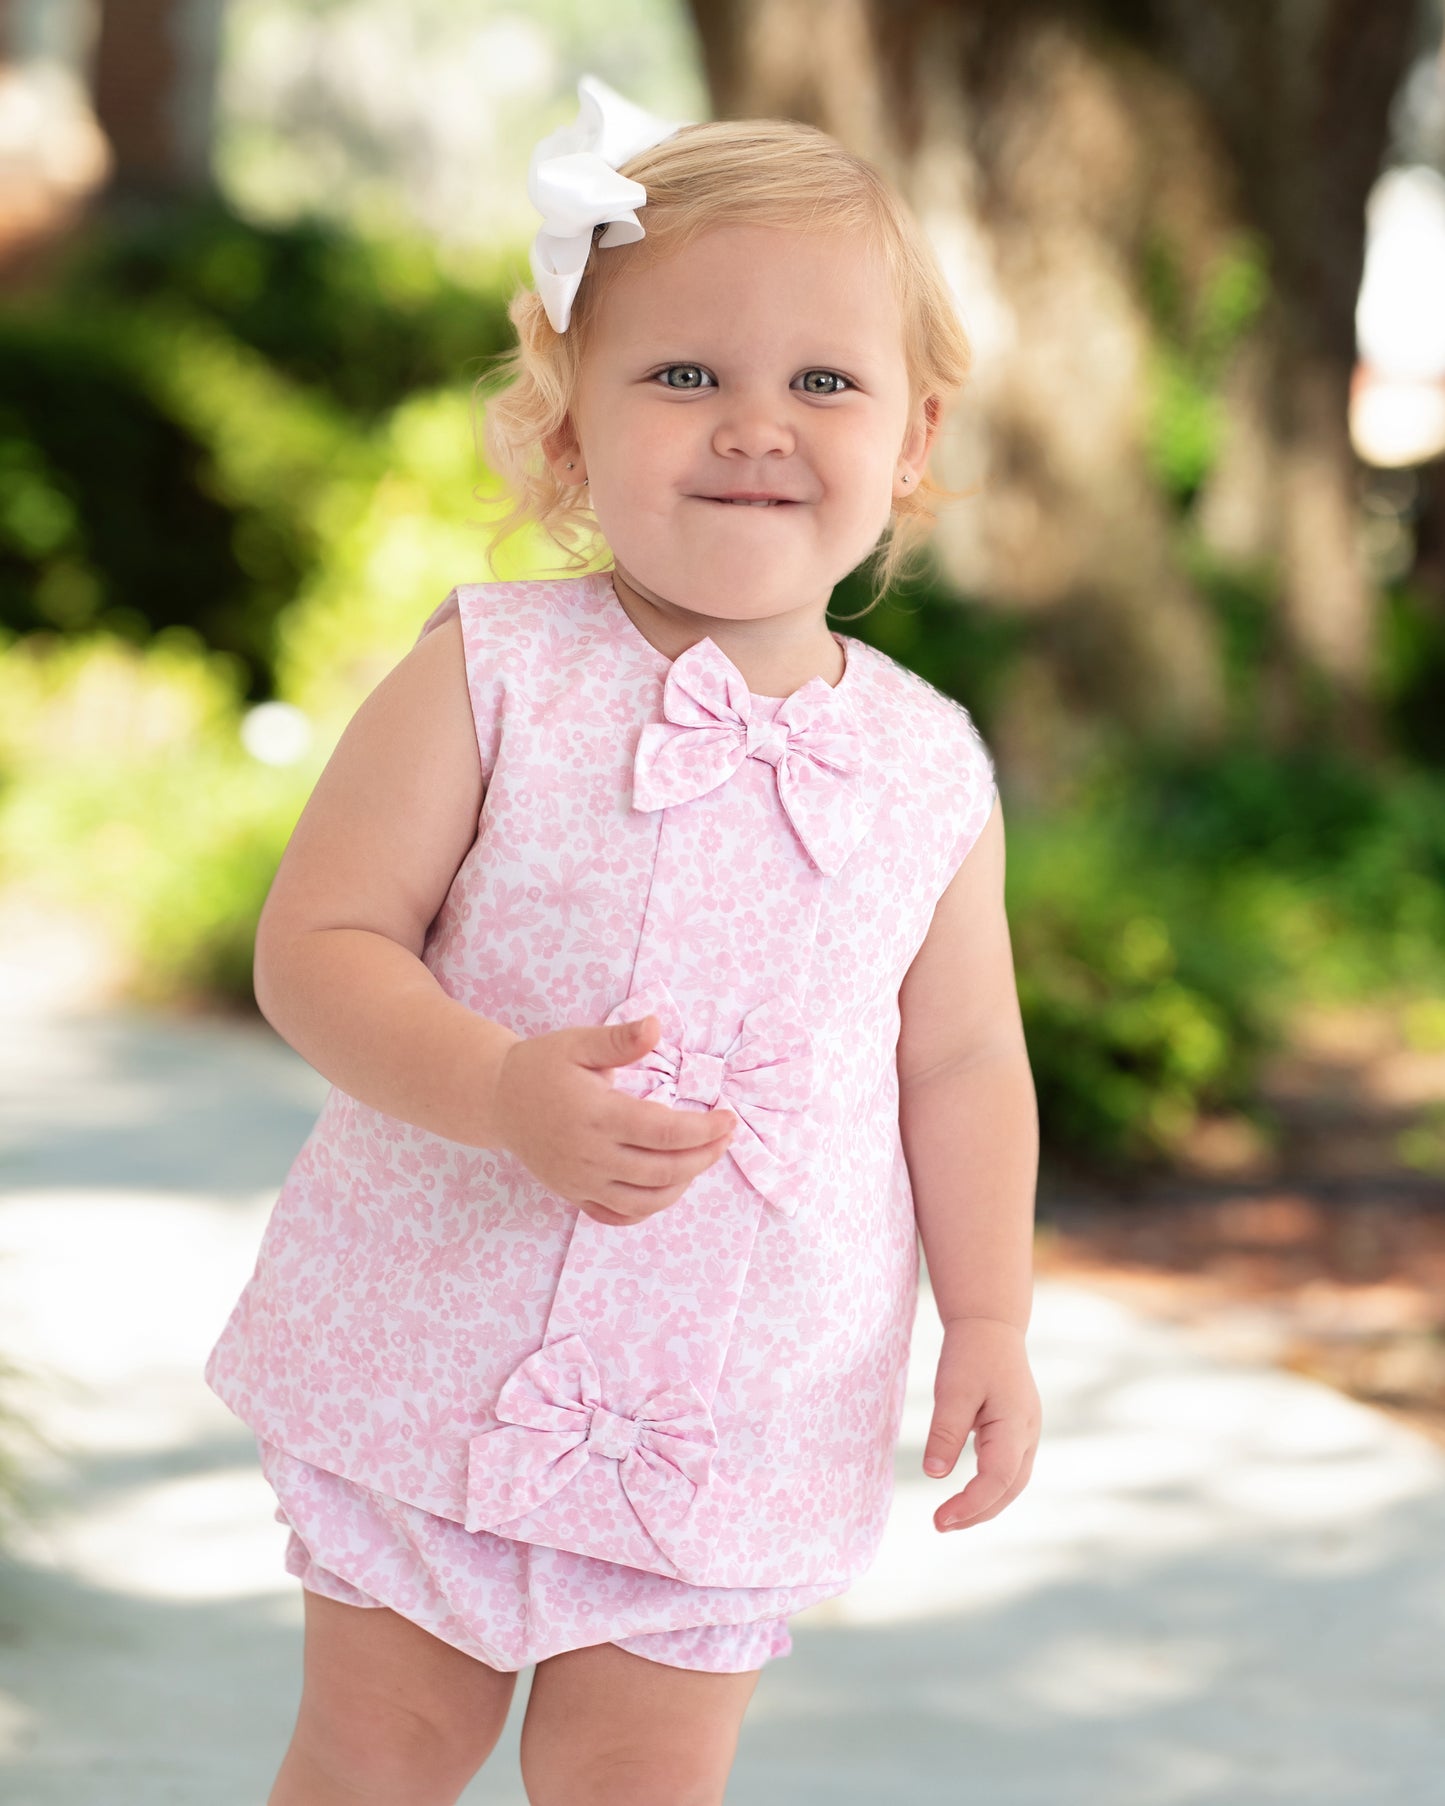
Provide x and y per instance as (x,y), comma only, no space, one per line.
(1224,1585)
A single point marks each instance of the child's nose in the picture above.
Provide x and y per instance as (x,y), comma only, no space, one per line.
(753,428)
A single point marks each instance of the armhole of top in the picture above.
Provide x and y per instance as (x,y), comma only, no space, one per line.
(983,793)
(484,691)
(450,607)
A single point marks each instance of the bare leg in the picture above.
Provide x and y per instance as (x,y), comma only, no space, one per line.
(605,1727)
(390,1715)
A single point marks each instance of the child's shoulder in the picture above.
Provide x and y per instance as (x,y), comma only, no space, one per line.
(917,711)
(510,609)
(528,600)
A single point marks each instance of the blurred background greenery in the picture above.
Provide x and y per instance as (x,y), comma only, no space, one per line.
(1196,600)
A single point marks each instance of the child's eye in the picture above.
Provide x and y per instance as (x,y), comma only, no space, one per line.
(836,383)
(692,376)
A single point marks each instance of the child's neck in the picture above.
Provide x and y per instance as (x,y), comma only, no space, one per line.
(776,655)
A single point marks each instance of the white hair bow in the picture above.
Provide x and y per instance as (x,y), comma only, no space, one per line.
(573,183)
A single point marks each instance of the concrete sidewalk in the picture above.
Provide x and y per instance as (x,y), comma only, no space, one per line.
(1224,1585)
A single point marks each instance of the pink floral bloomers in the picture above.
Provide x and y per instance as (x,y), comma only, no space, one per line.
(529,1431)
(506,1603)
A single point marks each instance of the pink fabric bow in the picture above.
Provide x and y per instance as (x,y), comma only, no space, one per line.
(710,730)
(553,1422)
(765,1078)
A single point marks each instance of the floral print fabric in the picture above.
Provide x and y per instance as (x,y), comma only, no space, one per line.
(506,1603)
(709,1398)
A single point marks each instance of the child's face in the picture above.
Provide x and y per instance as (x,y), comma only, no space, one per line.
(717,371)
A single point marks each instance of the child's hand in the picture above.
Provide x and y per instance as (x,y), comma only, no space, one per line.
(618,1158)
(984,1385)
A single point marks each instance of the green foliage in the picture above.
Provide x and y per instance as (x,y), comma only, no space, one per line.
(961,646)
(363,320)
(88,454)
(1165,921)
(184,415)
(1412,671)
(1195,335)
(1186,423)
(1168,912)
(1245,601)
(125,794)
(225,487)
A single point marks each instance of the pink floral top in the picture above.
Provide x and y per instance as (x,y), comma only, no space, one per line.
(714,1393)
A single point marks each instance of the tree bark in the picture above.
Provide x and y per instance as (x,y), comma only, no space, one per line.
(53,157)
(154,85)
(1300,98)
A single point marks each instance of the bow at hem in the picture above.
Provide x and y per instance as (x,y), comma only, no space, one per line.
(545,1437)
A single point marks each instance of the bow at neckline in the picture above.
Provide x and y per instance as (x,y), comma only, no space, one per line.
(710,727)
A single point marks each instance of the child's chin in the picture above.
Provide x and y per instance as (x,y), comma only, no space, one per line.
(726,575)
(712,571)
(727,557)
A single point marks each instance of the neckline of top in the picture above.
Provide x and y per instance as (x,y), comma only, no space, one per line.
(630,630)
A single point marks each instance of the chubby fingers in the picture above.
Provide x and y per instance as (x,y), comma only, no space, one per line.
(652,1172)
(655,1154)
(1004,1452)
(641,1124)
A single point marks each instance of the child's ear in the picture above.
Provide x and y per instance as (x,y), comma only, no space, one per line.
(563,453)
(917,443)
(922,431)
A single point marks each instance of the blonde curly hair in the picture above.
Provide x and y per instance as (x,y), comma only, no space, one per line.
(770,172)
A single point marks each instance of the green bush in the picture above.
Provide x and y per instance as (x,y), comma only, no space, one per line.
(395,536)
(106,512)
(183,416)
(362,320)
(126,796)
(1167,919)
(1140,1005)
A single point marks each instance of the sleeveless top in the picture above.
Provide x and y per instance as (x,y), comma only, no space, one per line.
(713,1393)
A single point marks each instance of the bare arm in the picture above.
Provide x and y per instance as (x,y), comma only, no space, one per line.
(338,969)
(967,1108)
(969,1120)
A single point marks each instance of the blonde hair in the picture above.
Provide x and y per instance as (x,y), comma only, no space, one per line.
(771,172)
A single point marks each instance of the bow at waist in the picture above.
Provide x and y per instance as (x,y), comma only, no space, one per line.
(765,1078)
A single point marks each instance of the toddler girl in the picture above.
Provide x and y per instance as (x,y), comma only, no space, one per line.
(652,936)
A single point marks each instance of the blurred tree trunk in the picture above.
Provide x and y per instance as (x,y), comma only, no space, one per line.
(154,89)
(1106,183)
(51,155)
